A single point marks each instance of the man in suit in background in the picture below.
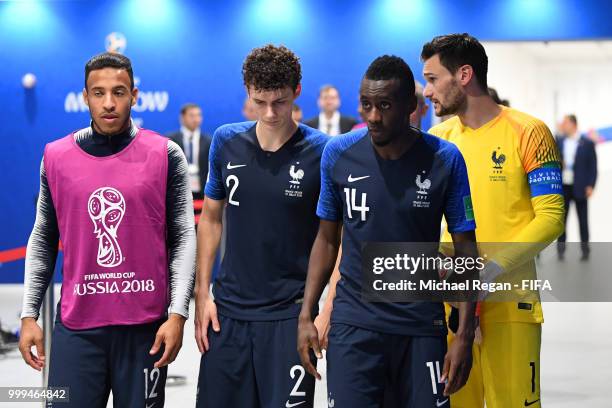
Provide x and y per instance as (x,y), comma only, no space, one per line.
(195,144)
(579,176)
(248,111)
(419,113)
(330,121)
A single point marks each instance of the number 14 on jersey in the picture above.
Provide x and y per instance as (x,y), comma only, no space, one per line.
(351,204)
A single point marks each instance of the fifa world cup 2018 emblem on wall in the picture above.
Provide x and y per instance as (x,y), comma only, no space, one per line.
(106,207)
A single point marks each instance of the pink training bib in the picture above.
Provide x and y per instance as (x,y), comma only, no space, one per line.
(111,213)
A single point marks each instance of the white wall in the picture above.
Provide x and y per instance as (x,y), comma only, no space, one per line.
(550,80)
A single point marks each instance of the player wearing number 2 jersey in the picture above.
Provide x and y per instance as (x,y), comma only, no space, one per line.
(268,174)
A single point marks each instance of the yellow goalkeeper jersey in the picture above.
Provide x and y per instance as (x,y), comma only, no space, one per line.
(512,161)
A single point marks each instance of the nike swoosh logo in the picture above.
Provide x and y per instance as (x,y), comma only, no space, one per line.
(352,179)
(439,404)
(295,404)
(531,403)
(235,166)
(150,406)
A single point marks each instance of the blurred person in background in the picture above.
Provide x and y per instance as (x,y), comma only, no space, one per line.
(493,93)
(248,111)
(419,113)
(579,176)
(330,121)
(296,113)
(195,144)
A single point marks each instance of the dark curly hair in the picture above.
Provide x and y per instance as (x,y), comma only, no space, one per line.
(269,67)
(388,67)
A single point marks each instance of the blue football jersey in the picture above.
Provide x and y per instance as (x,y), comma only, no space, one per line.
(271,220)
(381,200)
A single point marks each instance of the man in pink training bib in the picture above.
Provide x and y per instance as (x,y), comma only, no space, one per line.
(118,197)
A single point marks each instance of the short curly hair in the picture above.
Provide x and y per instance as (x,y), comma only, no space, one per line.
(270,67)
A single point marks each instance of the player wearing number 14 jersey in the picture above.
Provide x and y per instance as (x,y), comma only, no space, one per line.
(387,183)
(268,173)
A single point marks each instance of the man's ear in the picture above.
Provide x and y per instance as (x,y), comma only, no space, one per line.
(464,75)
(134,96)
(412,104)
(298,91)
(85,96)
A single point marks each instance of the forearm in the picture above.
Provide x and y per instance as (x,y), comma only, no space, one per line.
(543,229)
(181,233)
(320,266)
(333,281)
(467,324)
(465,247)
(209,238)
(41,252)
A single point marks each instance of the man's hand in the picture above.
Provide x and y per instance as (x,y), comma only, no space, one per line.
(171,335)
(31,335)
(206,313)
(588,191)
(322,324)
(457,364)
(308,338)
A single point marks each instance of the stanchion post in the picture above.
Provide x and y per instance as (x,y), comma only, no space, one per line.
(48,315)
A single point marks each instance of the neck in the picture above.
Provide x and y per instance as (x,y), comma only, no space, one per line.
(329,115)
(573,134)
(478,110)
(398,146)
(271,139)
(124,129)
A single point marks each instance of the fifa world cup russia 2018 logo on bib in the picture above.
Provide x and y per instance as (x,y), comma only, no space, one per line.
(106,208)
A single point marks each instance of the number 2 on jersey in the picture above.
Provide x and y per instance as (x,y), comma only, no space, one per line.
(292,373)
(232,179)
(351,205)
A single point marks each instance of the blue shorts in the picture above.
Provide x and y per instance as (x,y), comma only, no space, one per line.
(369,369)
(254,365)
(93,362)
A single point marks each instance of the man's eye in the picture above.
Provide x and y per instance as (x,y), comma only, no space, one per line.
(365,105)
(385,105)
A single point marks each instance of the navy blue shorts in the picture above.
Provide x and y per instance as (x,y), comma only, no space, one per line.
(95,361)
(369,369)
(254,365)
